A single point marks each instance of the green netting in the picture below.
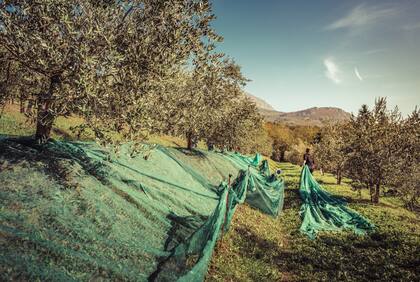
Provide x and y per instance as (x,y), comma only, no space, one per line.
(242,161)
(265,168)
(321,211)
(72,211)
(265,191)
(192,257)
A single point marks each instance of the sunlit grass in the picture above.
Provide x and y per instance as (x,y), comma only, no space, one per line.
(260,248)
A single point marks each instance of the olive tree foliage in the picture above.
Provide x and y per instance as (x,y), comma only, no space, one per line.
(212,106)
(378,149)
(240,128)
(406,177)
(373,146)
(110,62)
(330,149)
(10,88)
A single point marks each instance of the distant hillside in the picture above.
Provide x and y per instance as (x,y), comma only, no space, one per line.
(313,116)
(261,104)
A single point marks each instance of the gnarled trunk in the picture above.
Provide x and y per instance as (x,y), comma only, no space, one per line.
(371,190)
(45,118)
(282,154)
(191,142)
(210,146)
(375,198)
(22,105)
(339,176)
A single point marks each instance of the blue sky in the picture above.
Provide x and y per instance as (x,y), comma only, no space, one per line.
(301,54)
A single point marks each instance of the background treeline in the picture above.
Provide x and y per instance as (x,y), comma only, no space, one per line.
(128,68)
(378,149)
(290,141)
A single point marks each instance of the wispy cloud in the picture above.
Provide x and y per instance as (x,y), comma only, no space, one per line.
(332,71)
(356,72)
(375,51)
(413,26)
(363,15)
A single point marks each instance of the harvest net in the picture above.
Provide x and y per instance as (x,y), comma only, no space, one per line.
(322,211)
(73,211)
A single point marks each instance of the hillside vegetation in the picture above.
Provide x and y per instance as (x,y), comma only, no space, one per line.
(308,117)
(88,91)
(76,211)
(315,116)
(257,247)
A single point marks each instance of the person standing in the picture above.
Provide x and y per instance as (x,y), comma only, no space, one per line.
(308,160)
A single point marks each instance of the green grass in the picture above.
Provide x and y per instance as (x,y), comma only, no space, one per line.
(260,248)
(13,123)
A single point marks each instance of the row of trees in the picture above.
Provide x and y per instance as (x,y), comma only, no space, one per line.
(132,67)
(377,148)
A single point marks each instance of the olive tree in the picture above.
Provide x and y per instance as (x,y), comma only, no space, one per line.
(377,148)
(208,92)
(406,178)
(373,146)
(106,61)
(331,149)
(240,128)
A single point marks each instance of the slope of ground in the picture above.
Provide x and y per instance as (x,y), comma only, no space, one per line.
(260,248)
(257,247)
(75,211)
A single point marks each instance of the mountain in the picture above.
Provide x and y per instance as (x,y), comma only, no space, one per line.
(316,116)
(312,116)
(261,104)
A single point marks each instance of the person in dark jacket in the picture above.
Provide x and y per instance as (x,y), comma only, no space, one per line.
(308,160)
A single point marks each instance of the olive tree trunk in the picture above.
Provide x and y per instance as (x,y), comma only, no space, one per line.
(191,142)
(44,120)
(282,155)
(45,117)
(339,176)
(375,198)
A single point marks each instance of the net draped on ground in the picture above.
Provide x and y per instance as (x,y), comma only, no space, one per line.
(72,211)
(321,211)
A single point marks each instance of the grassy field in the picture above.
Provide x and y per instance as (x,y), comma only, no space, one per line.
(260,248)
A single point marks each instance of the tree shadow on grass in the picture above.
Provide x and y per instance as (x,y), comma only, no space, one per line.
(324,182)
(192,152)
(332,256)
(366,202)
(57,158)
(292,199)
